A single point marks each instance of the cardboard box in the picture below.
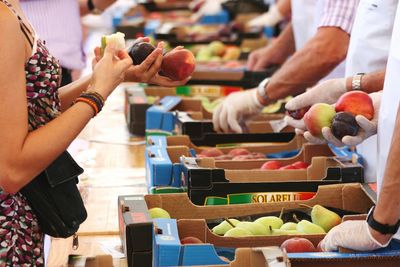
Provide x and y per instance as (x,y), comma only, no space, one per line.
(163,164)
(351,197)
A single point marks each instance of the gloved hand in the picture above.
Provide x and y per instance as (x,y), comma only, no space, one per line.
(367,127)
(268,19)
(326,92)
(236,108)
(209,7)
(352,235)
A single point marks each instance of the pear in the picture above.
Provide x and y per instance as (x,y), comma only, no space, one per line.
(270,221)
(289,226)
(307,227)
(159,213)
(238,232)
(325,218)
(285,232)
(224,227)
(254,227)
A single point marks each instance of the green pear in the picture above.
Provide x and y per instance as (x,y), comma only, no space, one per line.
(270,221)
(238,232)
(224,227)
(254,227)
(307,227)
(289,226)
(325,218)
(285,232)
(159,213)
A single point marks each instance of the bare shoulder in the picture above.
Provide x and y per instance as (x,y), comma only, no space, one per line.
(10,34)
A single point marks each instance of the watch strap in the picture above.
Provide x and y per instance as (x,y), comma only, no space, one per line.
(379,227)
(356,81)
(261,89)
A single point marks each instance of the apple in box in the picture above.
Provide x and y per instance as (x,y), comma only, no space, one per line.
(298,245)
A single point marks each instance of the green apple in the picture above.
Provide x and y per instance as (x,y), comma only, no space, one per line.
(224,227)
(270,221)
(289,226)
(238,232)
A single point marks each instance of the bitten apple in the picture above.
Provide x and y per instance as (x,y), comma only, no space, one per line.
(319,116)
(297,244)
(357,103)
(178,64)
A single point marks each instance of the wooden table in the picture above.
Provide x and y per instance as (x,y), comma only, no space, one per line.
(114,165)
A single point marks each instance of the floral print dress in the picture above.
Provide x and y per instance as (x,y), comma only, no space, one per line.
(21,241)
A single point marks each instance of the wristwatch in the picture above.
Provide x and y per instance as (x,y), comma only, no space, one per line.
(261,90)
(384,229)
(356,82)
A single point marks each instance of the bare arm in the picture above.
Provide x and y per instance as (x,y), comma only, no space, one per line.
(370,82)
(285,7)
(24,154)
(99,4)
(326,50)
(387,210)
(70,92)
(275,53)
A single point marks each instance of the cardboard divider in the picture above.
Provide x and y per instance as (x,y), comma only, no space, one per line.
(262,147)
(351,197)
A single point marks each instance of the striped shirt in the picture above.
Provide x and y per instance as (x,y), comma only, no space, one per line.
(339,13)
(58,23)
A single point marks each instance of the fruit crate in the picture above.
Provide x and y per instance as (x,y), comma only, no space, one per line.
(162,156)
(212,182)
(175,114)
(136,227)
(139,97)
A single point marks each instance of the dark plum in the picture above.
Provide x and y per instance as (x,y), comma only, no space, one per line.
(344,123)
(139,52)
(298,114)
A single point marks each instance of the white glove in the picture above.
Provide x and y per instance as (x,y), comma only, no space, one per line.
(235,109)
(367,127)
(326,92)
(352,235)
(268,19)
(209,7)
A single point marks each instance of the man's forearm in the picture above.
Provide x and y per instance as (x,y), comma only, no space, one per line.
(285,42)
(387,210)
(370,82)
(326,50)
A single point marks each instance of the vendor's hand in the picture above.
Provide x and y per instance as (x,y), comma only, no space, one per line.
(268,19)
(235,109)
(265,57)
(109,71)
(356,235)
(367,127)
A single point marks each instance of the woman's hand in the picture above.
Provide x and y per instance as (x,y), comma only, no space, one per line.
(109,71)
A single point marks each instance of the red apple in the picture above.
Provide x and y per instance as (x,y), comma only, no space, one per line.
(224,157)
(178,64)
(191,240)
(300,165)
(288,167)
(298,113)
(212,152)
(271,165)
(298,245)
(357,103)
(319,116)
(238,151)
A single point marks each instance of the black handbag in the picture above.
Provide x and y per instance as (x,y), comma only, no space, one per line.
(55,198)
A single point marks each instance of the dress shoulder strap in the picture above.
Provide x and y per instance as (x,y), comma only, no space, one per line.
(24,28)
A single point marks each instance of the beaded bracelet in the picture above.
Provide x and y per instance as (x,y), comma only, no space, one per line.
(93,99)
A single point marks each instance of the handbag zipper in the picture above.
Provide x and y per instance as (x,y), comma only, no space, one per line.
(75,242)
